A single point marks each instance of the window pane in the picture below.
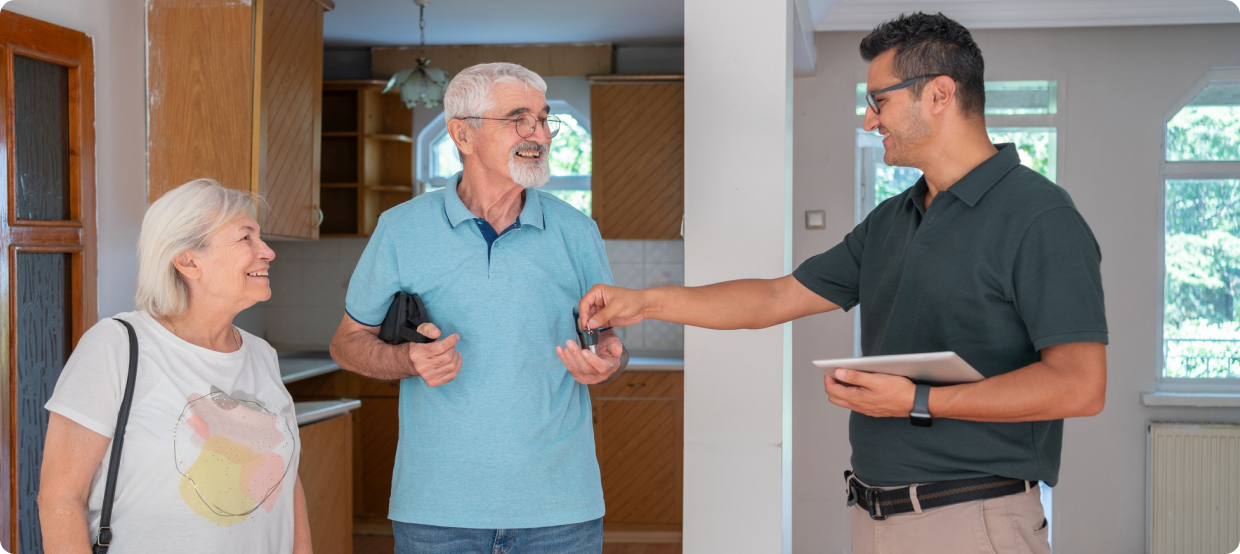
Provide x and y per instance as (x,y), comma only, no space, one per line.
(1004,97)
(41,119)
(1208,128)
(43,339)
(571,150)
(1020,97)
(580,199)
(445,161)
(1036,146)
(1201,333)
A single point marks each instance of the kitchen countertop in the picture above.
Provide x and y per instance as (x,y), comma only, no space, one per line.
(318,410)
(296,366)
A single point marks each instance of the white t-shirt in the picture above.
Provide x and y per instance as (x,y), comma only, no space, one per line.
(210,457)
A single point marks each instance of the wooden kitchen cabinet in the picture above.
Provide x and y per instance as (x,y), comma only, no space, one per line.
(325,461)
(235,90)
(375,431)
(638,133)
(639,440)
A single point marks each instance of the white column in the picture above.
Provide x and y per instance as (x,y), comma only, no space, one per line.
(738,211)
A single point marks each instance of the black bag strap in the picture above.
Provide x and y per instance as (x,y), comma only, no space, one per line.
(104,539)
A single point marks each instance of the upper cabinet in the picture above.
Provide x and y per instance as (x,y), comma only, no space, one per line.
(234,95)
(639,155)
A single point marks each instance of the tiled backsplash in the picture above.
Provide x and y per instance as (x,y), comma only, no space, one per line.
(639,264)
(309,281)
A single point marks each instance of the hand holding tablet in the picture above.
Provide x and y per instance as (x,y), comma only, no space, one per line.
(936,368)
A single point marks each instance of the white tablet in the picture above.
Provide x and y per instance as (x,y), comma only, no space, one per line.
(939,368)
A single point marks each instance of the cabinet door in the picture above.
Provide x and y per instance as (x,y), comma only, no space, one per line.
(201,93)
(291,97)
(327,467)
(638,179)
(640,446)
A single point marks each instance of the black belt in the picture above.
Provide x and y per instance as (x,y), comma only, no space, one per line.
(883,503)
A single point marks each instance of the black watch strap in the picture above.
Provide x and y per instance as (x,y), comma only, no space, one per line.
(920,416)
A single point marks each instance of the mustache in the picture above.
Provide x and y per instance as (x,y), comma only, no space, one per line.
(527,145)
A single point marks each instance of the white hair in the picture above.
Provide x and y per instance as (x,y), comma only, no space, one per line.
(183,219)
(470,93)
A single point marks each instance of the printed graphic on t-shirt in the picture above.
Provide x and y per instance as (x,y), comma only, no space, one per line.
(233,455)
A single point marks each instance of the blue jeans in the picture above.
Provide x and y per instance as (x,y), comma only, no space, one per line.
(576,538)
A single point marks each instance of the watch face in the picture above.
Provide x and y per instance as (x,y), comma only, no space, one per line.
(919,421)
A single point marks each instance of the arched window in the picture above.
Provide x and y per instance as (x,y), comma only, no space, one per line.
(1201,241)
(571,155)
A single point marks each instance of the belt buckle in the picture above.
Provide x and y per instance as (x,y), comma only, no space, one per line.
(871,498)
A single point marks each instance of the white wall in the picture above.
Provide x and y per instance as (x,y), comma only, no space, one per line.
(1115,84)
(117,30)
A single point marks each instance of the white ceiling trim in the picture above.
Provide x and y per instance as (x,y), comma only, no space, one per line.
(992,14)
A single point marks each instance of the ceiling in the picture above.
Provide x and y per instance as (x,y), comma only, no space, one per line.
(863,15)
(395,22)
(655,22)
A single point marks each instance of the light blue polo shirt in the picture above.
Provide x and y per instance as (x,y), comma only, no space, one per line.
(507,444)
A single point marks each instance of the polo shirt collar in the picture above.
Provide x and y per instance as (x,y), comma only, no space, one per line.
(976,183)
(531,213)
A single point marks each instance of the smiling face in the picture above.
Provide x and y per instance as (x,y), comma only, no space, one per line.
(232,269)
(502,150)
(903,126)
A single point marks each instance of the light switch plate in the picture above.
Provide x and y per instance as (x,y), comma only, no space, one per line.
(816,219)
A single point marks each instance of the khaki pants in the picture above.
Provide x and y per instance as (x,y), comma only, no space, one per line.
(1012,524)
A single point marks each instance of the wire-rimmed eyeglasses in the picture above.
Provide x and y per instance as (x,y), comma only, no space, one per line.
(873,102)
(527,124)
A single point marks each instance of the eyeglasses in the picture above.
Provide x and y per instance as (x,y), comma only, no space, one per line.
(527,124)
(873,102)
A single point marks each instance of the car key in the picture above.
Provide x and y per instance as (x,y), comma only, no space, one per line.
(589,337)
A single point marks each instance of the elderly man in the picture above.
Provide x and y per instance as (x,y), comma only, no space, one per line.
(982,256)
(496,449)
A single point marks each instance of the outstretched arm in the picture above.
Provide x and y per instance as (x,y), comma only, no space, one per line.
(741,304)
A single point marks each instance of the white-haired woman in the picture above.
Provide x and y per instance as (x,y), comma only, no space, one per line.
(209,462)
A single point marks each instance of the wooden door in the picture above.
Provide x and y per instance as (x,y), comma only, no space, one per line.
(47,234)
(638,131)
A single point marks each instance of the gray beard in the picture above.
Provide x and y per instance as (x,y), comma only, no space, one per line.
(526,173)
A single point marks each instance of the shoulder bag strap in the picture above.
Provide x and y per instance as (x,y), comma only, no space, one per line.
(104,539)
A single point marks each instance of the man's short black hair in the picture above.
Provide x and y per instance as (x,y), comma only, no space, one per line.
(932,45)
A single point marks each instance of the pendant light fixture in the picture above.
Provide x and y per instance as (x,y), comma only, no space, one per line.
(423,82)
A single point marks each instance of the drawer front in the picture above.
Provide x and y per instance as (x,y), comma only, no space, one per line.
(643,384)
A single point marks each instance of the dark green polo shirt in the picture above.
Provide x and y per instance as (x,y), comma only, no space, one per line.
(1000,266)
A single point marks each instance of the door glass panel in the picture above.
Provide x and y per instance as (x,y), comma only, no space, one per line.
(41,121)
(44,298)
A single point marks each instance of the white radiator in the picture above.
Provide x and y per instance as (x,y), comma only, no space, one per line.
(1195,488)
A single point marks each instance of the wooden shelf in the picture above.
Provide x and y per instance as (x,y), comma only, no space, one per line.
(391,138)
(390,188)
(338,185)
(340,133)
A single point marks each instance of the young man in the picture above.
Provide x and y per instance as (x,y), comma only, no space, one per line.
(983,257)
(496,448)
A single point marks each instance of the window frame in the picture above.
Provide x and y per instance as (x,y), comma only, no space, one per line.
(438,127)
(1177,171)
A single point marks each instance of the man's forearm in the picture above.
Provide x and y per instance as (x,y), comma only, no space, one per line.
(1038,392)
(362,352)
(741,304)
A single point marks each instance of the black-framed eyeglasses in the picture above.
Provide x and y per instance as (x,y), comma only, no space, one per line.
(873,102)
(527,124)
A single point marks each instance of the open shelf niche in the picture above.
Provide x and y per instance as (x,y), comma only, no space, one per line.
(367,156)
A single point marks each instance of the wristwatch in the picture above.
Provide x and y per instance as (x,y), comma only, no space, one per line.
(920,416)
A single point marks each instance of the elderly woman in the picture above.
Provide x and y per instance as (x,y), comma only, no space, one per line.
(209,462)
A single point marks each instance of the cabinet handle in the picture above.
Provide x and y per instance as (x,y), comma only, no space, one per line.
(319,223)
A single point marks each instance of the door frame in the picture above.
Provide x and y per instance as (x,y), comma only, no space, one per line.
(76,236)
